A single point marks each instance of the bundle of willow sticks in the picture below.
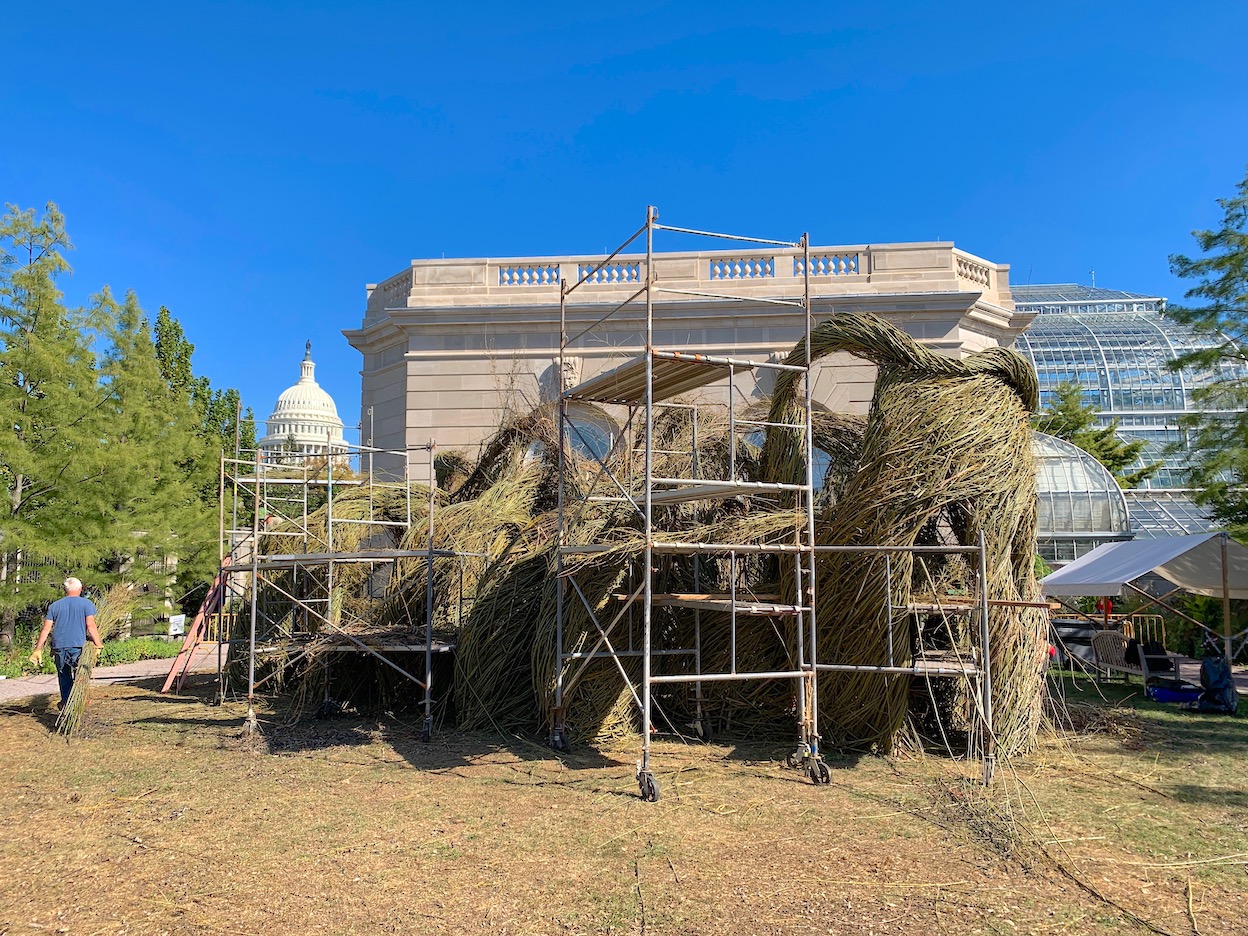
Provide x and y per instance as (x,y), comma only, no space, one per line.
(111,612)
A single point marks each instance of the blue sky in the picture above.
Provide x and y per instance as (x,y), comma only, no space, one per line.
(252,165)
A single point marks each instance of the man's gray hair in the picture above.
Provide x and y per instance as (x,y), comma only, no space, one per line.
(72,583)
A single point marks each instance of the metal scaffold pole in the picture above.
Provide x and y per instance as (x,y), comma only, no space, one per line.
(558,737)
(255,598)
(645,778)
(426,730)
(816,768)
(985,666)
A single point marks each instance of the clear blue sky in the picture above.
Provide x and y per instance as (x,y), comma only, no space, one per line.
(252,166)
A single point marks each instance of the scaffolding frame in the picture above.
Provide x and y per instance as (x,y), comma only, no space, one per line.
(644,384)
(255,497)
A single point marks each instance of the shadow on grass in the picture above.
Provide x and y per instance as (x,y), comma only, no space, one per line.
(149,691)
(448,748)
(1213,796)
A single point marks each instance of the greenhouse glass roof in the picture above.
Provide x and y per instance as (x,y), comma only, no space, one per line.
(1157,514)
(1078,496)
(1117,346)
(1069,297)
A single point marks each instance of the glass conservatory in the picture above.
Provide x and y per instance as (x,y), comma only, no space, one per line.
(1080,503)
(1117,346)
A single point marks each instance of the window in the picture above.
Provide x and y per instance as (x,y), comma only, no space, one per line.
(590,432)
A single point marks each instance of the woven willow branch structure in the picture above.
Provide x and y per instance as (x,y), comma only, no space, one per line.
(946,455)
(943,456)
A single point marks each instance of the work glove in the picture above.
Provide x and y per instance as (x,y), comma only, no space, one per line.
(36,658)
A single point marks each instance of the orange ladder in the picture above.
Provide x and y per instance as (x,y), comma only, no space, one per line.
(212,603)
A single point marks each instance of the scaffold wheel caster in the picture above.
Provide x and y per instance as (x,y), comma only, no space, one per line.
(818,772)
(558,741)
(426,731)
(793,760)
(649,786)
(703,728)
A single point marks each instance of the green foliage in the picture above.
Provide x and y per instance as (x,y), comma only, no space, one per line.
(213,419)
(135,649)
(1218,436)
(1040,567)
(15,661)
(50,417)
(109,457)
(1069,418)
(1190,639)
(217,412)
(149,434)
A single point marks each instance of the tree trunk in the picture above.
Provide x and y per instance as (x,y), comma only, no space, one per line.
(8,628)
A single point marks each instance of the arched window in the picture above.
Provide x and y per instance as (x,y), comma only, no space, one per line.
(822,460)
(589,431)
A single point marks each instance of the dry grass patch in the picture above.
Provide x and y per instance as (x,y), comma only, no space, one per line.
(163,816)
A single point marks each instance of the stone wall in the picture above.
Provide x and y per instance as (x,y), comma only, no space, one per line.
(449,345)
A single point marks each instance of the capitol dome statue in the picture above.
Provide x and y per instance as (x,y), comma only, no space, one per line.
(304,421)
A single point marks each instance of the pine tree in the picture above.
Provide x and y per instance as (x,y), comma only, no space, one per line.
(173,353)
(109,462)
(1218,434)
(218,411)
(154,455)
(50,405)
(1069,418)
(215,423)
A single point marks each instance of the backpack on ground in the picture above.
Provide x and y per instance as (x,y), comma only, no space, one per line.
(1219,687)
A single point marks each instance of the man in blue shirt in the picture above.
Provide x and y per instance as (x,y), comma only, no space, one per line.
(70,621)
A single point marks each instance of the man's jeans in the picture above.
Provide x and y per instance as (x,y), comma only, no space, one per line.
(66,661)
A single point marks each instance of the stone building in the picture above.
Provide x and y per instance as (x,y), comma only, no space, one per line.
(304,421)
(449,345)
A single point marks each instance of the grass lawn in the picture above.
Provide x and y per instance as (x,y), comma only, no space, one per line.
(164,816)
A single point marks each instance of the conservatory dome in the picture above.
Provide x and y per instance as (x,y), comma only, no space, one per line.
(1080,503)
(305,420)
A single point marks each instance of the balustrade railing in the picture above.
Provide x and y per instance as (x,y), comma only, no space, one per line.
(542,274)
(394,292)
(739,268)
(971,269)
(830,264)
(895,266)
(610,274)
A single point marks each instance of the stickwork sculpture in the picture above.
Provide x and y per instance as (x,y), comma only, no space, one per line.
(943,456)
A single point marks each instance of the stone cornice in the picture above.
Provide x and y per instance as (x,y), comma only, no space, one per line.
(768,272)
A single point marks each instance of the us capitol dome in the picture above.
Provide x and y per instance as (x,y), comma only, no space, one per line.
(304,421)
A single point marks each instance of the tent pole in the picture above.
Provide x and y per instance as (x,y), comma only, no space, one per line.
(1226,604)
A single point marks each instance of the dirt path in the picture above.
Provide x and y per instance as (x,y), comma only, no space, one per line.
(205,661)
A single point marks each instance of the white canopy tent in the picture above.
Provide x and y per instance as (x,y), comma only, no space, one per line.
(1194,563)
(1210,564)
